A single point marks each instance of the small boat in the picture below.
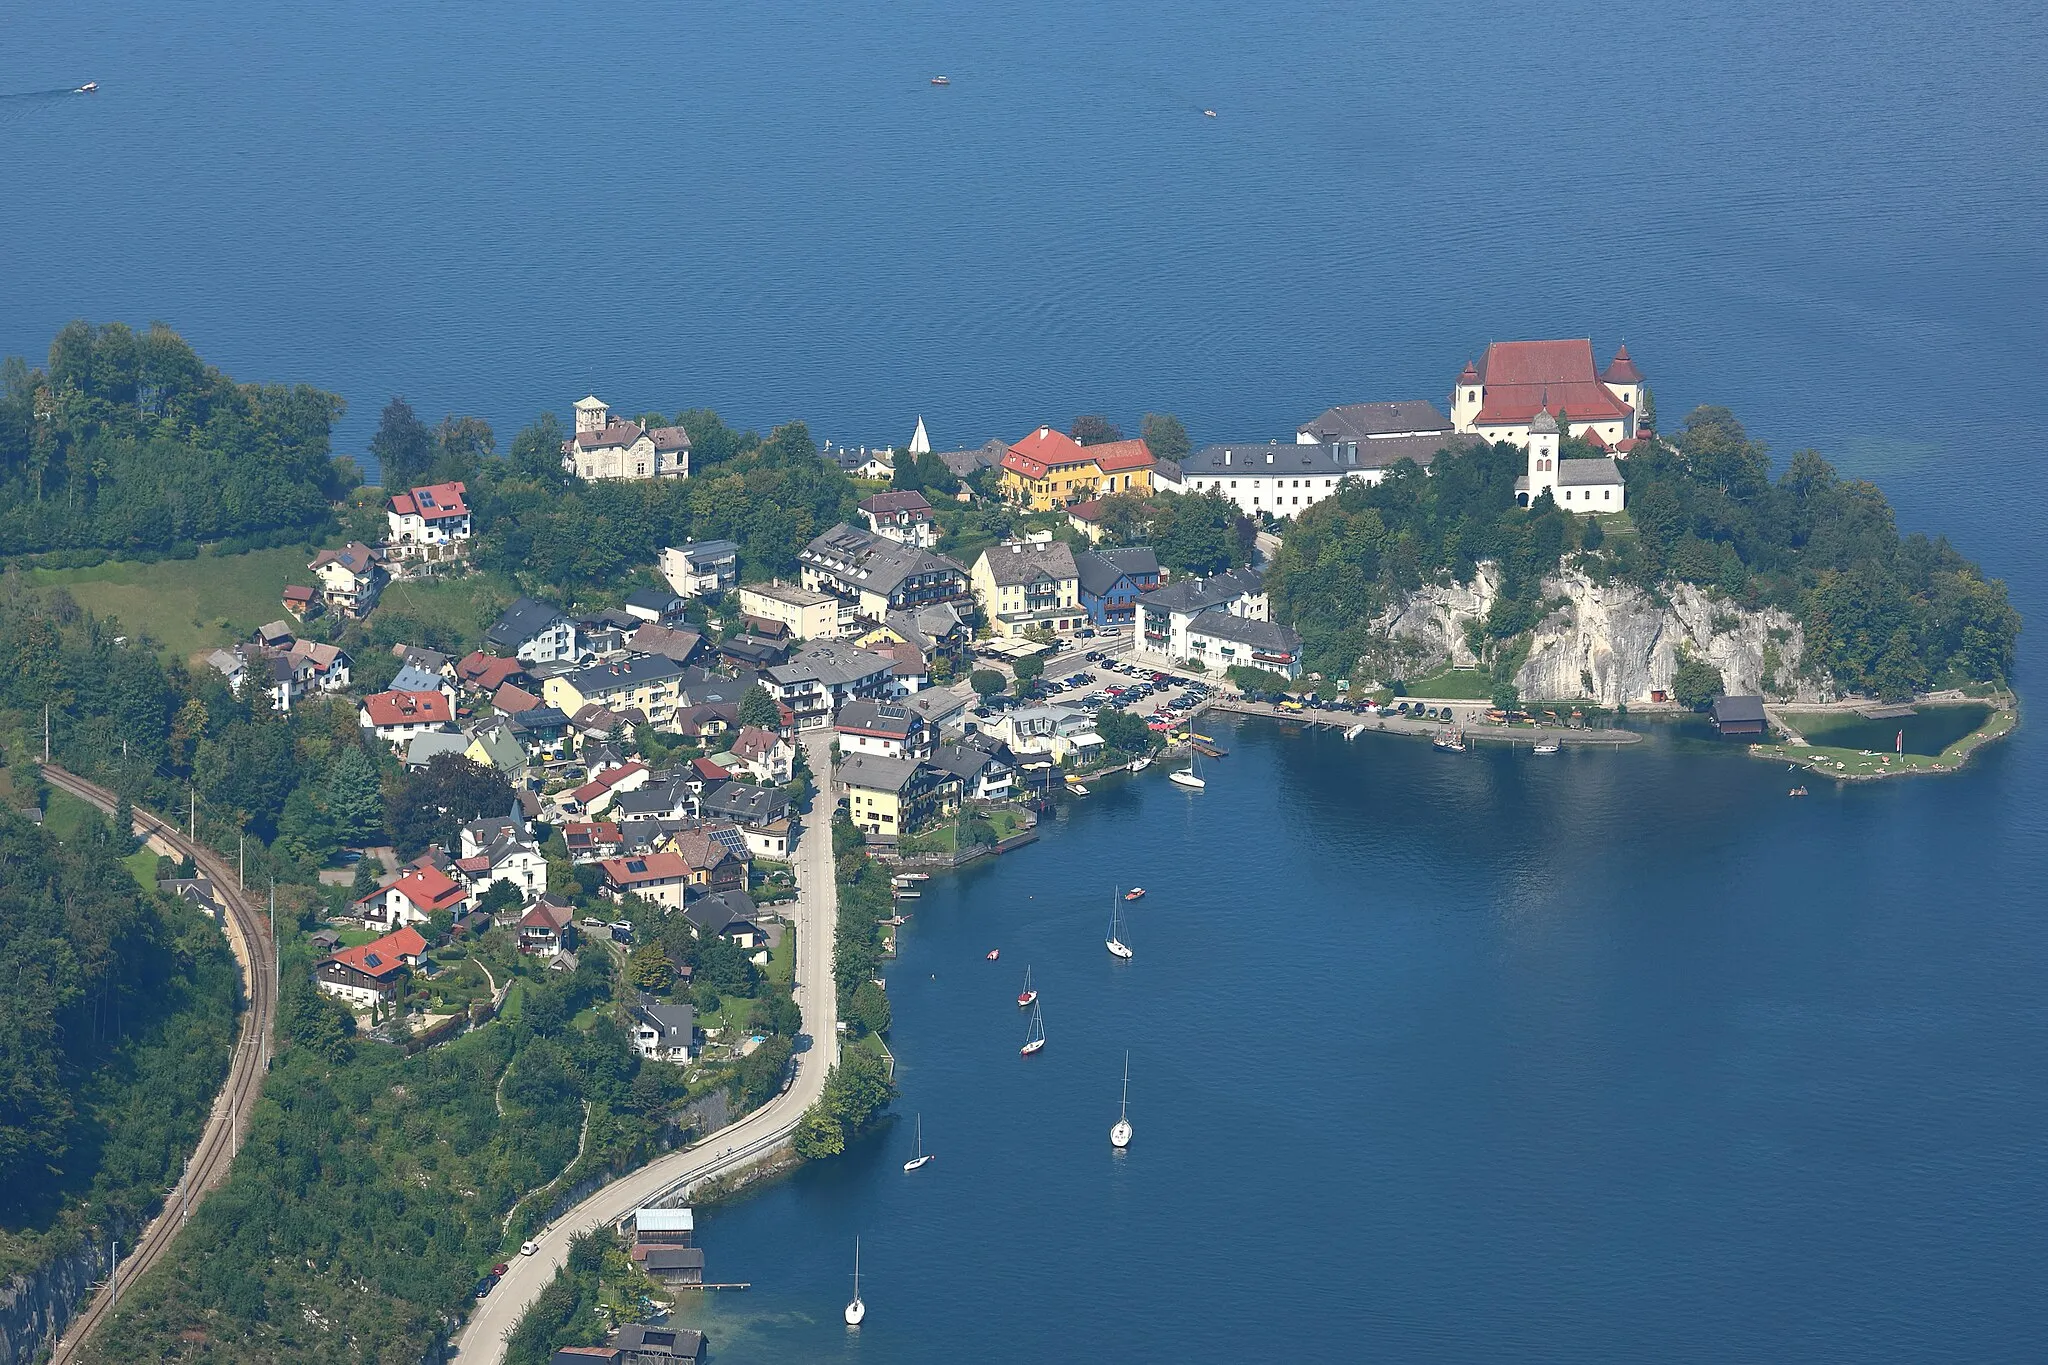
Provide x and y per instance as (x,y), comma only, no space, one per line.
(1115,940)
(907,893)
(1120,1131)
(1135,893)
(1355,731)
(1796,791)
(1452,741)
(942,80)
(856,1310)
(922,1156)
(1190,776)
(994,953)
(1034,1037)
(1139,765)
(1027,997)
(1076,789)
(1208,113)
(910,878)
(89,88)
(1548,746)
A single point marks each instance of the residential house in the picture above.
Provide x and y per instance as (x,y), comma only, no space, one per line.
(303,603)
(1281,480)
(266,670)
(938,632)
(647,1345)
(423,891)
(706,723)
(804,612)
(543,731)
(412,678)
(547,927)
(893,797)
(663,1032)
(534,632)
(422,749)
(603,634)
(1049,469)
(395,717)
(350,578)
(591,841)
(903,516)
(699,568)
(594,796)
(648,683)
(663,878)
(319,668)
(884,728)
(877,575)
(938,707)
(824,676)
(371,973)
(486,673)
(715,863)
(984,772)
(654,604)
(1086,517)
(509,857)
(429,524)
(765,755)
(1163,616)
(726,914)
(432,662)
(1111,582)
(751,653)
(674,643)
(607,449)
(1219,640)
(1029,585)
(760,813)
(965,464)
(1059,733)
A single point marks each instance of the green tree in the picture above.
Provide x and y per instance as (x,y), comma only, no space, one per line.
(1029,669)
(1094,431)
(871,1007)
(818,1134)
(649,969)
(1695,683)
(1123,732)
(1505,695)
(403,445)
(1166,437)
(758,708)
(986,682)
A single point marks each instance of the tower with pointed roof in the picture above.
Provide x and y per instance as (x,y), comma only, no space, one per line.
(591,414)
(920,442)
(1624,381)
(1543,440)
(1465,398)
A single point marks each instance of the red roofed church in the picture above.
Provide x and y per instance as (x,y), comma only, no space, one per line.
(1499,397)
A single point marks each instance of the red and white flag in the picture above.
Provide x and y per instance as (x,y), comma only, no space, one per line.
(1899,744)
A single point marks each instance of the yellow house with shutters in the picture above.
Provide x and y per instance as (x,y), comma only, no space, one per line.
(1049,469)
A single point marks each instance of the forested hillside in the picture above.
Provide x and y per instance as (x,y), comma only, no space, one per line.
(117,1011)
(128,442)
(1882,614)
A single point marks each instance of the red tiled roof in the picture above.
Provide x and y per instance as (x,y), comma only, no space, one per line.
(655,867)
(708,770)
(487,672)
(1091,510)
(292,594)
(614,434)
(512,700)
(429,888)
(1043,449)
(611,777)
(547,915)
(591,832)
(753,742)
(479,863)
(408,708)
(1623,370)
(1113,457)
(390,952)
(433,502)
(1523,377)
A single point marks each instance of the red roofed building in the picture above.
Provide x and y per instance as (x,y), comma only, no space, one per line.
(429,523)
(595,795)
(423,892)
(372,972)
(1049,469)
(395,717)
(707,771)
(591,841)
(1499,397)
(663,878)
(545,929)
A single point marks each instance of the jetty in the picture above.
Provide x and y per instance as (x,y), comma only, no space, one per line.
(1475,727)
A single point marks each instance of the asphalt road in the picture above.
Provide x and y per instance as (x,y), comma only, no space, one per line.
(482,1341)
(248,933)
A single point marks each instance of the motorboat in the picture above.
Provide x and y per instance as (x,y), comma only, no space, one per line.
(1548,746)
(89,88)
(910,878)
(1076,789)
(1208,113)
(920,1159)
(942,80)
(856,1310)
(1027,997)
(1120,1131)
(1355,731)
(994,953)
(1139,765)
(1034,1037)
(1135,893)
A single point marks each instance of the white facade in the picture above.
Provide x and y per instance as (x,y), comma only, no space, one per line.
(605,449)
(695,570)
(810,615)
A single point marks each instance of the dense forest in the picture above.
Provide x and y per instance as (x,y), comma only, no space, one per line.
(129,443)
(1883,614)
(117,1012)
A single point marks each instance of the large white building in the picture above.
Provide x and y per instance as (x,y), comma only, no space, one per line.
(605,449)
(1166,615)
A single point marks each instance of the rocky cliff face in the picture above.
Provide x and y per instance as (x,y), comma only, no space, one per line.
(1612,644)
(36,1306)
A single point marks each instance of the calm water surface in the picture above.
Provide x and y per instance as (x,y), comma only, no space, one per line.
(1598,1057)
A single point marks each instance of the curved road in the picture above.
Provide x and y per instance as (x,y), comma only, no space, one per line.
(249,936)
(482,1341)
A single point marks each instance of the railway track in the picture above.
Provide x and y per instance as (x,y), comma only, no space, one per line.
(248,934)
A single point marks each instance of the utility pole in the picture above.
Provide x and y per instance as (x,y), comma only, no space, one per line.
(241,882)
(114,1275)
(192,815)
(46,732)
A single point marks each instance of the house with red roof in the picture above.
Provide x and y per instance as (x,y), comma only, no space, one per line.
(429,523)
(1498,397)
(350,578)
(593,841)
(597,795)
(663,878)
(1049,469)
(764,755)
(547,927)
(486,673)
(371,973)
(396,717)
(424,891)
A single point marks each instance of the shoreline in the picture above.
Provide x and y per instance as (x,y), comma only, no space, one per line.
(1862,765)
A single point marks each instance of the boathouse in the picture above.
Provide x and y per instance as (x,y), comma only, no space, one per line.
(1740,716)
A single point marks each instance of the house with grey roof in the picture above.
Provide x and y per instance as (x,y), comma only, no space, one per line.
(892,797)
(725,914)
(824,676)
(878,575)
(1220,640)
(698,568)
(533,632)
(664,1032)
(1164,616)
(984,773)
(902,515)
(1027,585)
(1112,580)
(1415,417)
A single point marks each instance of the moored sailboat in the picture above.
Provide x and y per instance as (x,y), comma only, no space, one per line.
(1115,941)
(1120,1131)
(1034,1037)
(1029,995)
(856,1310)
(1190,776)
(922,1156)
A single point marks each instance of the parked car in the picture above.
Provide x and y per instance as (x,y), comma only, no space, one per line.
(528,1248)
(485,1286)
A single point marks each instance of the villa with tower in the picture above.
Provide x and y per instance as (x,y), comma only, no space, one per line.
(605,449)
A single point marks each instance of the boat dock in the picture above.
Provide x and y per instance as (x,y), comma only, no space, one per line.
(1473,725)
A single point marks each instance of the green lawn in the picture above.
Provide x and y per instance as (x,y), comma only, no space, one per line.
(458,610)
(1455,684)
(186,605)
(67,813)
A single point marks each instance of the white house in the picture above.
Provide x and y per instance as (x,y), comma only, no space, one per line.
(884,728)
(902,515)
(664,1033)
(809,614)
(824,676)
(699,567)
(765,755)
(396,717)
(1055,732)
(1584,486)
(1219,640)
(604,449)
(533,632)
(1165,615)
(1282,479)
(428,523)
(350,578)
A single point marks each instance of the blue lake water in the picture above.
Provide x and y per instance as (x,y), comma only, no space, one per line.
(1625,1056)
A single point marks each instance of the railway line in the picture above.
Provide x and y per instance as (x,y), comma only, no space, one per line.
(248,933)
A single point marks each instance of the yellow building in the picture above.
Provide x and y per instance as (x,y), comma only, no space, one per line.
(1049,469)
(896,796)
(650,683)
(1021,585)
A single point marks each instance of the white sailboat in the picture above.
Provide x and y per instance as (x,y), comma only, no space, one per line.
(1120,1132)
(1190,776)
(1029,995)
(1034,1037)
(1115,942)
(856,1310)
(922,1156)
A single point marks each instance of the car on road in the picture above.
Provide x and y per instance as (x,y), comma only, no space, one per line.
(528,1248)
